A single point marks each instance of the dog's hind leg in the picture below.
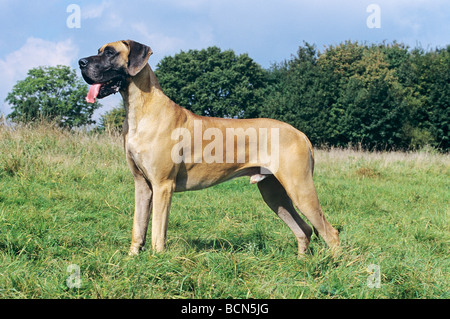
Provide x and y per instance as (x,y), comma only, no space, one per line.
(276,198)
(304,197)
(296,176)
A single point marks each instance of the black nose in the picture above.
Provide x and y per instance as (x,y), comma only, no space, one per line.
(83,63)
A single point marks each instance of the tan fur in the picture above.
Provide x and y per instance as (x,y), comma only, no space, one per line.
(151,119)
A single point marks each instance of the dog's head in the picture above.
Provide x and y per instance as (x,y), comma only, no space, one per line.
(109,70)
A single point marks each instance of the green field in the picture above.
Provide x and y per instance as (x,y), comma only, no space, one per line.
(67,198)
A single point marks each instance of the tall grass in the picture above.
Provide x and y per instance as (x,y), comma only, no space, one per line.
(67,198)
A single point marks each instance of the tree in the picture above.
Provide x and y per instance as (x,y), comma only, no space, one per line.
(213,82)
(378,96)
(298,94)
(113,120)
(52,93)
(376,105)
(430,79)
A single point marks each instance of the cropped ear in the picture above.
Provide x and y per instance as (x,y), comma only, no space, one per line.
(137,57)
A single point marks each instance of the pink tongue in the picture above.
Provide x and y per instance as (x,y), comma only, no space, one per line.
(93,92)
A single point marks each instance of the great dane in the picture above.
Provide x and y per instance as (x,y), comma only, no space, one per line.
(167,150)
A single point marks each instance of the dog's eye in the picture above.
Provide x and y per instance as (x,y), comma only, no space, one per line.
(109,53)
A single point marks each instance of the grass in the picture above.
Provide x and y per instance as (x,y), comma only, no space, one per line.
(67,198)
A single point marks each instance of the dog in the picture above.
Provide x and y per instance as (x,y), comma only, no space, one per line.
(166,150)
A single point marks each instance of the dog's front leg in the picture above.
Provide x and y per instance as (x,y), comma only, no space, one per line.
(142,211)
(162,198)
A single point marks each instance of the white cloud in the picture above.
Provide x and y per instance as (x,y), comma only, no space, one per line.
(190,4)
(93,11)
(115,20)
(108,16)
(35,52)
(164,43)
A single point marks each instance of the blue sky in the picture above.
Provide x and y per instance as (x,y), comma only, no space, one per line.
(36,32)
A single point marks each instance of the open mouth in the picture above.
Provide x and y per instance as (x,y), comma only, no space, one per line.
(101,90)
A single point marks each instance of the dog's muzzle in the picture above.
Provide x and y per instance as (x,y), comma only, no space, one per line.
(99,89)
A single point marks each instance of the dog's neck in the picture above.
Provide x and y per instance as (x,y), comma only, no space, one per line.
(140,85)
(137,95)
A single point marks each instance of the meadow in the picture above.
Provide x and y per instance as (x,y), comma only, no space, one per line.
(66,198)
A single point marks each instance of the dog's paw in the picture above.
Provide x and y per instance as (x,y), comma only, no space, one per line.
(134,250)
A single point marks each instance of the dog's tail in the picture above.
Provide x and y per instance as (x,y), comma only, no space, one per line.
(311,154)
(311,165)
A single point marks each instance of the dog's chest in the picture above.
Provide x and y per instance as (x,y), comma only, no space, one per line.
(146,155)
(139,153)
